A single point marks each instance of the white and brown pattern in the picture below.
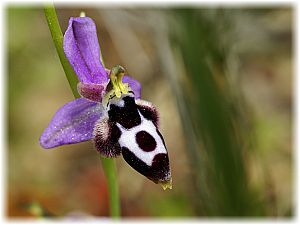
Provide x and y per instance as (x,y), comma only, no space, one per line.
(131,128)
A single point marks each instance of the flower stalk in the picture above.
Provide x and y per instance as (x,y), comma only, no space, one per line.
(57,38)
(109,166)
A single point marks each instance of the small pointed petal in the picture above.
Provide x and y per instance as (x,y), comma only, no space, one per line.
(92,92)
(83,51)
(74,122)
(134,85)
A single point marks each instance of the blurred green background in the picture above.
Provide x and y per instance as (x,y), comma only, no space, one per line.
(222,81)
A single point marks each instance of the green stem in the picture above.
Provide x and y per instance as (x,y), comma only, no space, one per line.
(109,165)
(57,38)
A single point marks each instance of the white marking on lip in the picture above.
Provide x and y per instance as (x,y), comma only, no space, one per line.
(128,140)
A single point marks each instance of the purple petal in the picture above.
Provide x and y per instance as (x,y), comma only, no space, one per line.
(72,123)
(134,84)
(83,51)
(92,92)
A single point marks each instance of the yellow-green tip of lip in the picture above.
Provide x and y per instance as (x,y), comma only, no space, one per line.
(166,184)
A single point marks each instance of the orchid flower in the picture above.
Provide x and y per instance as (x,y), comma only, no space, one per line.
(109,112)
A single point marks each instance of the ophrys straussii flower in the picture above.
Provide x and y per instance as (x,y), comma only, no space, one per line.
(109,112)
